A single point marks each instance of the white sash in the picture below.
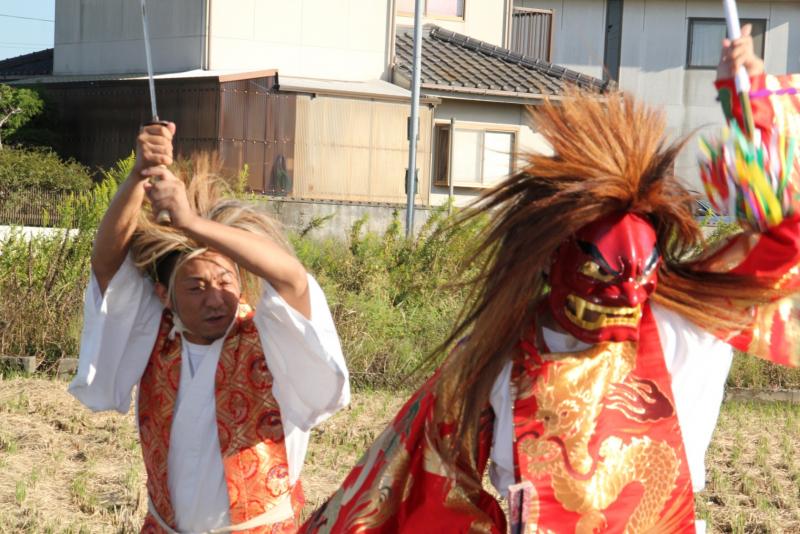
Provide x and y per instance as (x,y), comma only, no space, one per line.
(278,513)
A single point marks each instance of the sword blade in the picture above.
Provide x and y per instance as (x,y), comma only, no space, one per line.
(151,81)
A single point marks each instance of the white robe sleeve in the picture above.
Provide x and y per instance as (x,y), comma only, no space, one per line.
(699,363)
(311,381)
(501,471)
(119,329)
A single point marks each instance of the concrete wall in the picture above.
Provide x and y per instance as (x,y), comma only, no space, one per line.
(31,232)
(657,73)
(654,48)
(105,36)
(297,214)
(483,19)
(332,39)
(488,113)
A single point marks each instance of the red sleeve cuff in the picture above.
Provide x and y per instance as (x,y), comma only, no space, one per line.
(756,82)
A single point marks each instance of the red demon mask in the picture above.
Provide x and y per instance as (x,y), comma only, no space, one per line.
(600,278)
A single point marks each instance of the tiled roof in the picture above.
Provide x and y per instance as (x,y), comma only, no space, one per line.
(461,64)
(33,64)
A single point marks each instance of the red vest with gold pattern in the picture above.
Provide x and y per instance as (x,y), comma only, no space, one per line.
(248,422)
(597,436)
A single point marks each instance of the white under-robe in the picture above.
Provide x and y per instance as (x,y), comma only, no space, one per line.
(698,363)
(304,356)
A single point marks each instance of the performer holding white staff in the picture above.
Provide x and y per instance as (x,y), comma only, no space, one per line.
(593,355)
(227,394)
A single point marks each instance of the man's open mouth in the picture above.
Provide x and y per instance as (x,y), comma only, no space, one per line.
(590,316)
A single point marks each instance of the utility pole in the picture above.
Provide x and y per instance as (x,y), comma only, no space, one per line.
(413,126)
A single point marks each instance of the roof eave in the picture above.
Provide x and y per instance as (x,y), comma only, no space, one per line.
(475,92)
(365,95)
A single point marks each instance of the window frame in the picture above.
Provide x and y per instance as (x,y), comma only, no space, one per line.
(550,12)
(690,35)
(425,14)
(483,127)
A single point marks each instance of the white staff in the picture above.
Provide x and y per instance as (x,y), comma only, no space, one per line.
(741,77)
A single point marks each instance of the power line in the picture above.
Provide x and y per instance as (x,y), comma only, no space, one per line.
(24,44)
(32,48)
(25,18)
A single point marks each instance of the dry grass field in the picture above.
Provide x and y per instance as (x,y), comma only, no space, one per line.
(65,469)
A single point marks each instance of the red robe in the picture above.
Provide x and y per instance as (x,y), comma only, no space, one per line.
(596,434)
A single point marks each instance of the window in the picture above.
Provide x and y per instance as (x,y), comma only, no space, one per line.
(531,32)
(434,8)
(705,38)
(479,157)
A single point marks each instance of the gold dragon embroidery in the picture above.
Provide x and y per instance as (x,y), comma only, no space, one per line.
(570,394)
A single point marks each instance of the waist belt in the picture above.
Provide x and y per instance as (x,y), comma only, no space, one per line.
(278,513)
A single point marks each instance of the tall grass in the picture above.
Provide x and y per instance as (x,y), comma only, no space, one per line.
(393,299)
(42,277)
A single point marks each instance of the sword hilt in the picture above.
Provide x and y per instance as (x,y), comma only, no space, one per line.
(163,216)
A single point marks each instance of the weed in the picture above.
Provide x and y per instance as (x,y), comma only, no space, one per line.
(79,490)
(20,492)
(762,452)
(8,444)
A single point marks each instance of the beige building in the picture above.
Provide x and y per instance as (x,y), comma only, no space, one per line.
(312,95)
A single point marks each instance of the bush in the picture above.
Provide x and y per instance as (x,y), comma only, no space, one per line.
(393,299)
(748,371)
(42,169)
(389,296)
(42,279)
(33,183)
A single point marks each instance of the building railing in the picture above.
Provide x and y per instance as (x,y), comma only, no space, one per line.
(32,207)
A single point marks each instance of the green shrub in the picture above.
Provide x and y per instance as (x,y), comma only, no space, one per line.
(42,280)
(393,299)
(748,371)
(17,107)
(41,169)
(390,297)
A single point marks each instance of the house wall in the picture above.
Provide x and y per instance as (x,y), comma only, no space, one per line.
(105,36)
(578,32)
(356,150)
(488,113)
(341,40)
(654,49)
(483,19)
(657,73)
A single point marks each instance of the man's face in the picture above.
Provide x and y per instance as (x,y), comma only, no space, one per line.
(600,278)
(207,293)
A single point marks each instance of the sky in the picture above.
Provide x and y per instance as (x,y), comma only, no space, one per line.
(25,26)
